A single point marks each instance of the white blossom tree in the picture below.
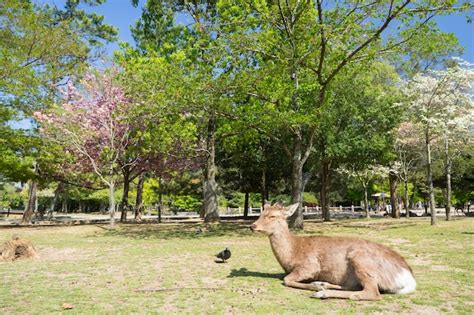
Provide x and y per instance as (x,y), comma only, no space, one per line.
(407,147)
(442,101)
(365,177)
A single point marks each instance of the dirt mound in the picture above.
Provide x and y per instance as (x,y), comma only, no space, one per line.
(17,249)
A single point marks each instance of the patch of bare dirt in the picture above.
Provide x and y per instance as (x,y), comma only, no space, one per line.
(213,282)
(420,261)
(376,225)
(168,305)
(398,241)
(440,268)
(63,254)
(426,310)
(232,310)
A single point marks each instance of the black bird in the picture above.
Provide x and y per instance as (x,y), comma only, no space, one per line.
(224,255)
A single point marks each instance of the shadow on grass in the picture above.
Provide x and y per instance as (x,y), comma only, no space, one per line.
(244,272)
(180,231)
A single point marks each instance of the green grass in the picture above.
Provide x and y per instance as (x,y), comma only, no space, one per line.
(168,268)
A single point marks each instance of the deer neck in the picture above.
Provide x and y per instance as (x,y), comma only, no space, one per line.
(283,246)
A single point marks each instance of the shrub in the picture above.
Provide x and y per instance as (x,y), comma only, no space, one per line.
(188,203)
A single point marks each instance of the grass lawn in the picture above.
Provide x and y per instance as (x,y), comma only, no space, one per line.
(169,268)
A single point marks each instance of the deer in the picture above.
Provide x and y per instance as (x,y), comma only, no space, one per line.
(334,267)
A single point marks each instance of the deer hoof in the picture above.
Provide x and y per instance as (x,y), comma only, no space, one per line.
(319,295)
(318,285)
(355,297)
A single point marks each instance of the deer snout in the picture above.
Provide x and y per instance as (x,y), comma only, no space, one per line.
(253,227)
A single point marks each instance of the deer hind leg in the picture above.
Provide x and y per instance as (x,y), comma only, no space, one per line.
(363,270)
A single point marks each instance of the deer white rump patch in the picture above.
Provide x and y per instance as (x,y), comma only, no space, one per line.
(404,282)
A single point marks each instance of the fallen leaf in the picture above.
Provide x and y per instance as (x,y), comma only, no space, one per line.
(67,306)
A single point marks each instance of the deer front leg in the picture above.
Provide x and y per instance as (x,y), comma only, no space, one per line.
(294,279)
(367,294)
(321,285)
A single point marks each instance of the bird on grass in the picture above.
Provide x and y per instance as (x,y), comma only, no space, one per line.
(224,255)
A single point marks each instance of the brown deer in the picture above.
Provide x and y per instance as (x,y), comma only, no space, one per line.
(335,267)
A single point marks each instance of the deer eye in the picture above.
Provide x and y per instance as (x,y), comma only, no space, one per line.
(273,217)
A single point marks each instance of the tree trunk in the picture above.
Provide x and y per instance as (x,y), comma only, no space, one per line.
(429,177)
(81,206)
(210,205)
(296,220)
(139,199)
(324,193)
(160,199)
(392,177)
(112,203)
(64,205)
(264,191)
(246,205)
(31,203)
(448,164)
(366,201)
(123,207)
(406,199)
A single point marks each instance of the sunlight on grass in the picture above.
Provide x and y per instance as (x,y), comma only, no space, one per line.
(170,268)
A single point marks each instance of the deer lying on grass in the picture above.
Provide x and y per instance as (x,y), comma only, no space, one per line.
(335,267)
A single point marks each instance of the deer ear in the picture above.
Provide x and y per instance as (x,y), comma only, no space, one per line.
(267,205)
(278,204)
(291,209)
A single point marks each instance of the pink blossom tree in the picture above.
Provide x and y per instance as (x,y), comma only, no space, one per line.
(92,125)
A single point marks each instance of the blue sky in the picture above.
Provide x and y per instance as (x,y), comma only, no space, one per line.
(122,15)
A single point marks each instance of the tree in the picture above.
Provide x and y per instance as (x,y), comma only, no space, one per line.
(297,49)
(437,99)
(353,126)
(92,125)
(407,147)
(40,47)
(165,137)
(199,55)
(365,177)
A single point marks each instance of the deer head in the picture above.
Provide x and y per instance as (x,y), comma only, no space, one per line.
(273,218)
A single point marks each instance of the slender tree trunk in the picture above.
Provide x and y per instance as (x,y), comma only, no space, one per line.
(112,203)
(392,177)
(429,177)
(246,205)
(210,205)
(139,199)
(406,199)
(31,203)
(64,205)
(296,220)
(123,207)
(366,201)
(324,193)
(448,164)
(264,191)
(160,199)
(81,206)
